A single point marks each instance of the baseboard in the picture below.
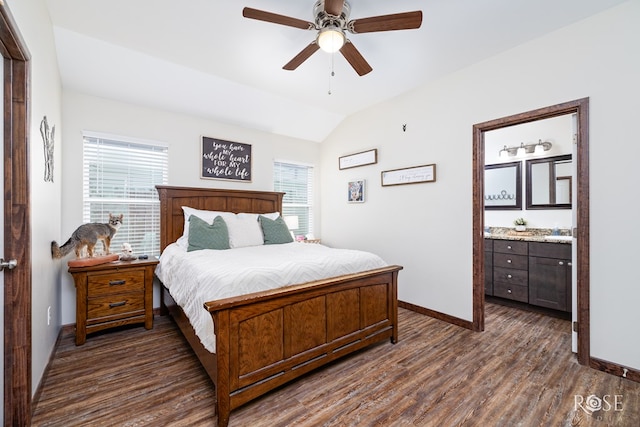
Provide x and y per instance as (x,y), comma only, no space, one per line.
(615,369)
(467,324)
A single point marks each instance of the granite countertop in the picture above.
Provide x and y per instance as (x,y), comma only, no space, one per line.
(529,235)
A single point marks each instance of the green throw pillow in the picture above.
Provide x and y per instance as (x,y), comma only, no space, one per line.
(275,231)
(203,235)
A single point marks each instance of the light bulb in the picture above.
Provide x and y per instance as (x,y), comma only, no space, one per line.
(331,39)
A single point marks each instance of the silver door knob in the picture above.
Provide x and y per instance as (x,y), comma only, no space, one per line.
(11,264)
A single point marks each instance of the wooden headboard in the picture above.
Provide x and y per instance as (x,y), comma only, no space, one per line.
(212,199)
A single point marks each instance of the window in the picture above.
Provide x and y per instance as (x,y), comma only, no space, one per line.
(296,180)
(119,177)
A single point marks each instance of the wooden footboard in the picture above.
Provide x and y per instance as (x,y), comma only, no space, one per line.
(266,339)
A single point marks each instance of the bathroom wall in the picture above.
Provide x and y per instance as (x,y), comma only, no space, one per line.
(557,130)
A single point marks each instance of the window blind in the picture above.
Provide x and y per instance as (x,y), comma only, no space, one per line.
(296,181)
(119,177)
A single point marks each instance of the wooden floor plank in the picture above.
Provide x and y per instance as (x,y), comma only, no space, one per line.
(519,372)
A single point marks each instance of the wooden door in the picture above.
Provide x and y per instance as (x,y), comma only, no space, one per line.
(17,224)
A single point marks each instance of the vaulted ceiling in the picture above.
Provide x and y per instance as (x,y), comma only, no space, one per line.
(202,58)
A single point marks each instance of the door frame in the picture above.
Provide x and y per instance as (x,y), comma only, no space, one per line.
(17,223)
(580,107)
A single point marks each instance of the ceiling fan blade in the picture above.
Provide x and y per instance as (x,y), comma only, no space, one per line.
(261,15)
(302,56)
(357,61)
(396,21)
(333,7)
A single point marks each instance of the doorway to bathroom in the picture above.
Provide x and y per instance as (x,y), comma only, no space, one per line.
(515,198)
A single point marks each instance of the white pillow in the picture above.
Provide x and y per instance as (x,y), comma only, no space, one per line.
(244,230)
(207,216)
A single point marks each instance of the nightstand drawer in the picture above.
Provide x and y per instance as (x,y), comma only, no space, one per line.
(511,276)
(115,282)
(510,291)
(107,307)
(520,262)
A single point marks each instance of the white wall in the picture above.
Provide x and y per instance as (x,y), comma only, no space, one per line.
(182,135)
(427,228)
(32,18)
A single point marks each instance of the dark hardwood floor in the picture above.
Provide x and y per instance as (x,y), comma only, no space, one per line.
(519,372)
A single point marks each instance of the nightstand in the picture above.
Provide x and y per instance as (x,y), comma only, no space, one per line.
(113,294)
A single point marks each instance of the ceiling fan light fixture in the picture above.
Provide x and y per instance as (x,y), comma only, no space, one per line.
(331,39)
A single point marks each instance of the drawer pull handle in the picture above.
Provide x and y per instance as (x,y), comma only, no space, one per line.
(117,282)
(560,263)
(508,291)
(117,304)
(509,276)
(508,246)
(508,261)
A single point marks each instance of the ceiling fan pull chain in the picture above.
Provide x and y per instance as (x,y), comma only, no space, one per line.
(332,74)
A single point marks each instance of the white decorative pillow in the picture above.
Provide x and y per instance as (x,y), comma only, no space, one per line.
(244,230)
(207,216)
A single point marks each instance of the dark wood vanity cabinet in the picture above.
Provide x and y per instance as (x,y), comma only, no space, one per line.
(488,267)
(550,275)
(510,277)
(537,273)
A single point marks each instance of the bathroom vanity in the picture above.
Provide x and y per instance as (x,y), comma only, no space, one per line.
(529,270)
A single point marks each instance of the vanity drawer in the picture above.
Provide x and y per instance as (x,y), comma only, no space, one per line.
(510,276)
(511,291)
(510,247)
(550,250)
(519,262)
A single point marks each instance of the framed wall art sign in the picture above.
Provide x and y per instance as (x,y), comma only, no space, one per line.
(412,175)
(222,159)
(358,159)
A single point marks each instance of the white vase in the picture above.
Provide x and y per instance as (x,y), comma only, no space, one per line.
(521,227)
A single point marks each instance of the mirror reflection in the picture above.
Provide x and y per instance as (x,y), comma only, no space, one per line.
(549,182)
(503,186)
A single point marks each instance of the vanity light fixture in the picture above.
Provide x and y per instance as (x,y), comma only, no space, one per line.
(540,149)
(523,149)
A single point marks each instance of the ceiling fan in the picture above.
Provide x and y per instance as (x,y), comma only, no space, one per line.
(331,22)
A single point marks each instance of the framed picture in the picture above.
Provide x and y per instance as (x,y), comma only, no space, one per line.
(356,191)
(228,160)
(358,159)
(412,175)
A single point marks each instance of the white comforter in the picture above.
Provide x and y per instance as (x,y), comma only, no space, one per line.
(194,278)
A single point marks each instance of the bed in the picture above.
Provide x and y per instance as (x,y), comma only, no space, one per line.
(267,338)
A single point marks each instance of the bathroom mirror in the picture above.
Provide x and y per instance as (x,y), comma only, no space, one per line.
(549,182)
(503,186)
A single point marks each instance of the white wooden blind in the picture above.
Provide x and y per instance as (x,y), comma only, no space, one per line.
(296,180)
(119,177)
